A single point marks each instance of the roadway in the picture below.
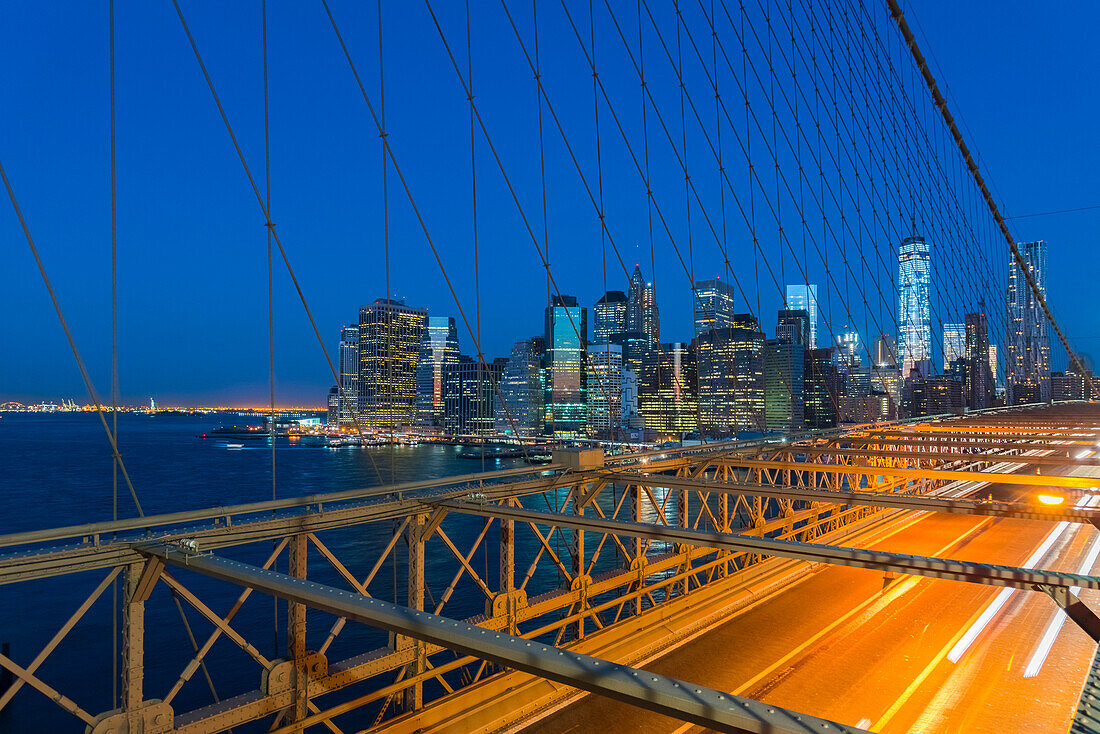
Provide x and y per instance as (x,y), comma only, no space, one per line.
(848,645)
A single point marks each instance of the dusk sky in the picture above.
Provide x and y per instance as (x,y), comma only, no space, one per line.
(191,237)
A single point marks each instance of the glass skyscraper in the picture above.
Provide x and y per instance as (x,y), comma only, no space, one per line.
(469,395)
(347,401)
(713,305)
(731,378)
(609,314)
(954,344)
(605,375)
(979,376)
(438,348)
(802,297)
(565,380)
(914,325)
(521,412)
(1027,359)
(641,309)
(667,394)
(389,344)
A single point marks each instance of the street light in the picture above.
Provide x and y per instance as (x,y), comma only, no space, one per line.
(1051,499)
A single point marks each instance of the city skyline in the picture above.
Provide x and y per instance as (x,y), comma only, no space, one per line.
(218,262)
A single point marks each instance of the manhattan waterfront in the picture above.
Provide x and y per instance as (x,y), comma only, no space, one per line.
(500,367)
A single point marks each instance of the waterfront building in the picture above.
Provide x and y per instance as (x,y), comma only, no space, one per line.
(954,343)
(469,395)
(389,344)
(978,390)
(347,407)
(565,379)
(822,385)
(668,390)
(993,363)
(332,417)
(641,309)
(609,316)
(731,378)
(1027,335)
(713,305)
(803,297)
(914,309)
(521,412)
(605,373)
(438,348)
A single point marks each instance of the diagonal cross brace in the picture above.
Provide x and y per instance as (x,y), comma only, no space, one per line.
(1074,608)
(660,694)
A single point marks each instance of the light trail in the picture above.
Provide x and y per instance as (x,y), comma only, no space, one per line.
(1004,595)
(1054,627)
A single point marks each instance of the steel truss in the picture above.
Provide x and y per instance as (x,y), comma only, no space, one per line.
(585,561)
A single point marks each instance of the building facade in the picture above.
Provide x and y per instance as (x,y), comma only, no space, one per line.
(389,345)
(605,375)
(713,305)
(803,297)
(731,379)
(1027,335)
(469,395)
(979,376)
(641,309)
(565,380)
(521,412)
(914,309)
(667,391)
(347,403)
(609,316)
(438,349)
(954,344)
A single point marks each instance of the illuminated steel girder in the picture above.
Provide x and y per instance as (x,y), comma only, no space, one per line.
(938,456)
(653,692)
(940,568)
(870,499)
(949,475)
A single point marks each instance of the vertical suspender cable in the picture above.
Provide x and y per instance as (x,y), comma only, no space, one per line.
(114,355)
(270,293)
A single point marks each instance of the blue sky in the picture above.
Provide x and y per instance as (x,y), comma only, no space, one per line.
(191,241)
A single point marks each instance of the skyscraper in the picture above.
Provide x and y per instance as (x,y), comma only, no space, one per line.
(667,393)
(605,374)
(389,344)
(886,351)
(802,297)
(914,325)
(979,376)
(1027,371)
(954,343)
(731,378)
(521,412)
(347,402)
(822,389)
(713,305)
(469,395)
(793,327)
(641,308)
(784,374)
(438,348)
(565,381)
(609,316)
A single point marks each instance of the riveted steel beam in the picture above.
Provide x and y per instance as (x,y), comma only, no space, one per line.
(941,568)
(871,499)
(660,694)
